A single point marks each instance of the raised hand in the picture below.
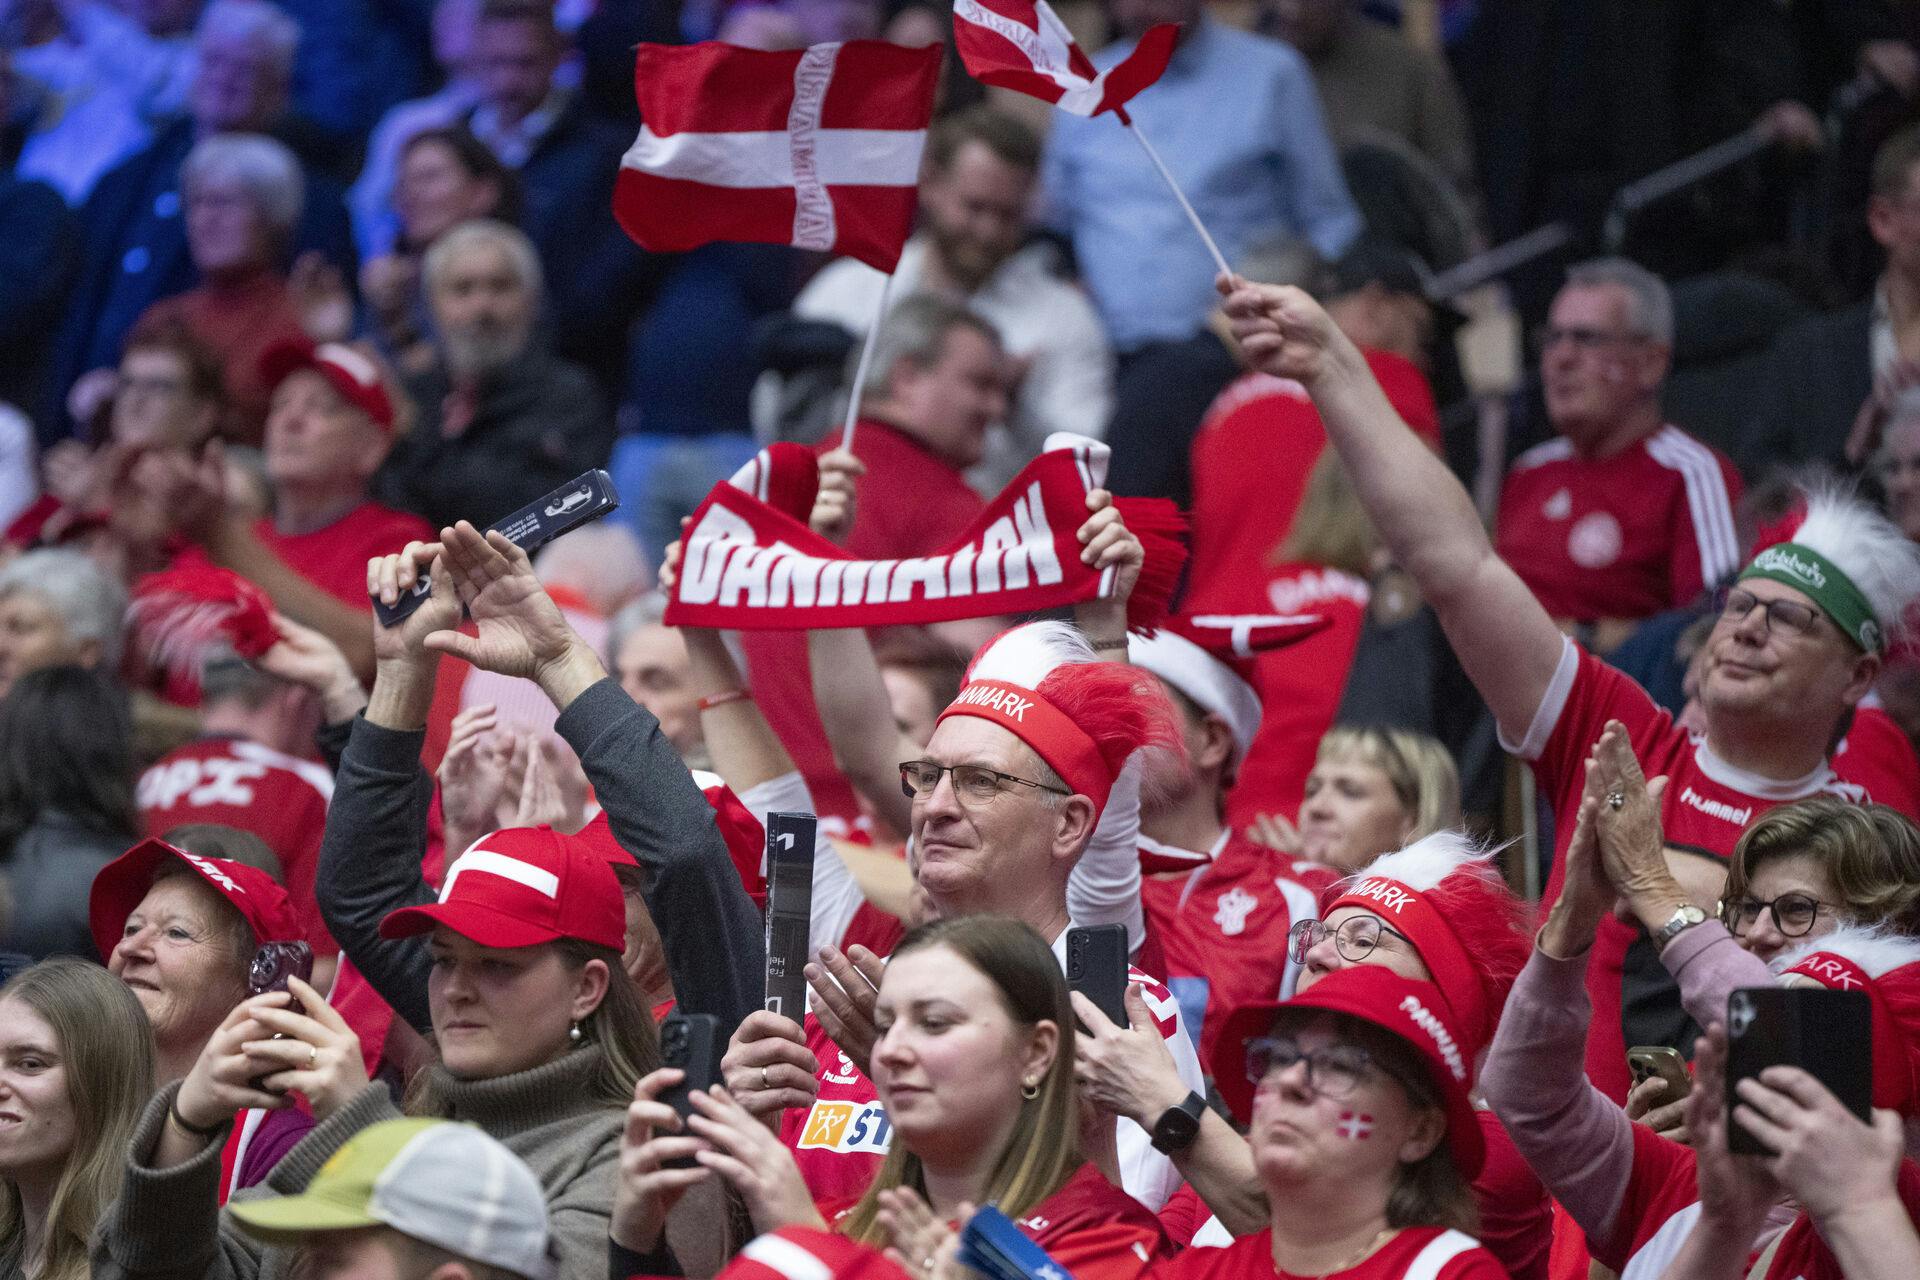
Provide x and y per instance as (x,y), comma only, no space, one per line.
(391,577)
(768,1066)
(846,987)
(304,657)
(916,1237)
(1126,1071)
(833,506)
(315,1053)
(647,1190)
(1107,543)
(754,1162)
(1280,330)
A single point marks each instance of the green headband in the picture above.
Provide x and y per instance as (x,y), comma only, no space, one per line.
(1804,569)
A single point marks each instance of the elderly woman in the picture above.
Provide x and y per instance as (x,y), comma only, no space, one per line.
(76,1064)
(180,930)
(58,608)
(241,197)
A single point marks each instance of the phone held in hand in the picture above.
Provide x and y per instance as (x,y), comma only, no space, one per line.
(1097,967)
(274,963)
(693,1043)
(1827,1034)
(1647,1061)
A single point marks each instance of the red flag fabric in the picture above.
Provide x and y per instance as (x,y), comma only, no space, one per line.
(818,148)
(1022,45)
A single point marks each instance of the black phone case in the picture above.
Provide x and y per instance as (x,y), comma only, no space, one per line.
(693,1043)
(1097,967)
(790,844)
(1827,1034)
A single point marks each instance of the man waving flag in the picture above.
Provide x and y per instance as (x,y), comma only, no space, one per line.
(818,148)
(1022,45)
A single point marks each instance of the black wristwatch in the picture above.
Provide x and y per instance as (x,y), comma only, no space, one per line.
(1179,1125)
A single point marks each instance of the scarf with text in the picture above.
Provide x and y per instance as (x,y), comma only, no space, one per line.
(750,562)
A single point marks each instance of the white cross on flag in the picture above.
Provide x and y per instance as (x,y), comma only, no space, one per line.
(818,148)
(1023,45)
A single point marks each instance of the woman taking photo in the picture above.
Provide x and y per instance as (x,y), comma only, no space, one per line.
(974,1065)
(76,1065)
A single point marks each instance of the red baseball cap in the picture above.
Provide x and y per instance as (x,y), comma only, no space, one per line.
(352,374)
(1416,1012)
(121,884)
(523,886)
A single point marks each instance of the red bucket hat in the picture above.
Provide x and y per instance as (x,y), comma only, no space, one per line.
(121,884)
(523,886)
(353,375)
(1416,1012)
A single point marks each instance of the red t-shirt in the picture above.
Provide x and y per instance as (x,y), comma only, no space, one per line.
(242,784)
(1626,536)
(1428,1253)
(1516,1213)
(1223,932)
(912,503)
(1877,756)
(335,558)
(1708,803)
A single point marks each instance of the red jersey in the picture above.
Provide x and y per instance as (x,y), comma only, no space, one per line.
(1626,536)
(840,1140)
(242,784)
(1415,1253)
(1878,757)
(1516,1213)
(335,558)
(1223,931)
(1708,803)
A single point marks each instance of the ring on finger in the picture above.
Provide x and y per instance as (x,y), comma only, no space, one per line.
(313,1055)
(765,1083)
(1616,800)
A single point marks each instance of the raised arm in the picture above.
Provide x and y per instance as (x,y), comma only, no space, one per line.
(1505,640)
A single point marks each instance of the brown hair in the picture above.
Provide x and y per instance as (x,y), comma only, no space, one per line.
(477,158)
(161,333)
(1870,852)
(106,1048)
(1010,140)
(1044,1148)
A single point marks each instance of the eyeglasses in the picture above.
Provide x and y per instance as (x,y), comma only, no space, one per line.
(1334,1072)
(1547,336)
(1355,939)
(1793,914)
(1790,616)
(973,783)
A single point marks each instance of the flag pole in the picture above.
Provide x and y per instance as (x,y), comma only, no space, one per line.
(866,358)
(1219,260)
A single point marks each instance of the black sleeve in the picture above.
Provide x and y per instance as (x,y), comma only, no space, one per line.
(370,862)
(332,741)
(712,935)
(624,1264)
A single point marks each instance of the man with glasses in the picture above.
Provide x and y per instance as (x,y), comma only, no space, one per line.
(1796,648)
(1620,516)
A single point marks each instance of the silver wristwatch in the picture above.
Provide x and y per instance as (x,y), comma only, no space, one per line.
(1682,919)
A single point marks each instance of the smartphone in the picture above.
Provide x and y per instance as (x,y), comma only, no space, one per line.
(1827,1034)
(275,962)
(693,1043)
(1097,968)
(1645,1061)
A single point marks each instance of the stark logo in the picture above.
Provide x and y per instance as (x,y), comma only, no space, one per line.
(1233,908)
(846,1127)
(1354,1126)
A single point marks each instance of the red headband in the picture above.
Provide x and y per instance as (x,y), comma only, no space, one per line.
(1052,734)
(1454,970)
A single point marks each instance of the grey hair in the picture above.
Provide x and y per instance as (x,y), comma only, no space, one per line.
(650,610)
(916,329)
(492,233)
(91,603)
(1649,304)
(251,22)
(266,168)
(1866,546)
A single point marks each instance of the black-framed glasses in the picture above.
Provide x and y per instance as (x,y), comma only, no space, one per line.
(1334,1072)
(1355,939)
(1792,617)
(1793,914)
(973,783)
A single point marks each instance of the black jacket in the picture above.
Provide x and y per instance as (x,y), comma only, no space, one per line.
(1820,372)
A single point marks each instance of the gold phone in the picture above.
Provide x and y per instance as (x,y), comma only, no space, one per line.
(1646,1060)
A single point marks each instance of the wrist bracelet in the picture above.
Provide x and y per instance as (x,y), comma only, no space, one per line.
(173,1114)
(1098,645)
(722,699)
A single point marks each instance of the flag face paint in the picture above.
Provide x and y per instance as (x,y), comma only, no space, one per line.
(1354,1126)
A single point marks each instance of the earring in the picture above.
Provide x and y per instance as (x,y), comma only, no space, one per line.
(573,1033)
(1030,1090)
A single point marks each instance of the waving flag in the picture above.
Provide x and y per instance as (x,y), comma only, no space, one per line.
(818,148)
(1022,45)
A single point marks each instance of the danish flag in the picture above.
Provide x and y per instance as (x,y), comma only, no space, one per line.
(1023,45)
(1354,1126)
(818,148)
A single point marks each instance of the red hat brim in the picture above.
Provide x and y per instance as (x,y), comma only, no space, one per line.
(471,920)
(119,886)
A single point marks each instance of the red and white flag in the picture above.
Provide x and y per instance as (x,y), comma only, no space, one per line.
(818,148)
(1023,45)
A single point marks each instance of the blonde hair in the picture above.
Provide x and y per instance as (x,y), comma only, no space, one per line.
(106,1048)
(1044,1149)
(1419,768)
(1330,527)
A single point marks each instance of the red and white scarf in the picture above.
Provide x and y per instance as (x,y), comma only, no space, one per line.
(751,563)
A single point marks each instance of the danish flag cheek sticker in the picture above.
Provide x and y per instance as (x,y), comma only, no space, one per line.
(1354,1126)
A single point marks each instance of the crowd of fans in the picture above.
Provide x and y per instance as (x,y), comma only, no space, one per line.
(1541,676)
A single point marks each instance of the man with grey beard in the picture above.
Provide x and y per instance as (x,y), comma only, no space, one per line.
(498,420)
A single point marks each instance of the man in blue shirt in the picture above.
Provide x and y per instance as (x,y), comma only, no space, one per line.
(1237,120)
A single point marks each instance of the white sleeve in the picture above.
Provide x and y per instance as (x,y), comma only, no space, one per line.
(1105,885)
(836,894)
(1552,703)
(1146,1174)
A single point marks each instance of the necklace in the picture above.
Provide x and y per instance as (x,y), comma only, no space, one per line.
(1359,1255)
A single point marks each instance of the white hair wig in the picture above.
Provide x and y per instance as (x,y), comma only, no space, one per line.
(1869,548)
(1429,860)
(1026,655)
(1876,949)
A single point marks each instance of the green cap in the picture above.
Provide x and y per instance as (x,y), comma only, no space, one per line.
(439,1182)
(1821,580)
